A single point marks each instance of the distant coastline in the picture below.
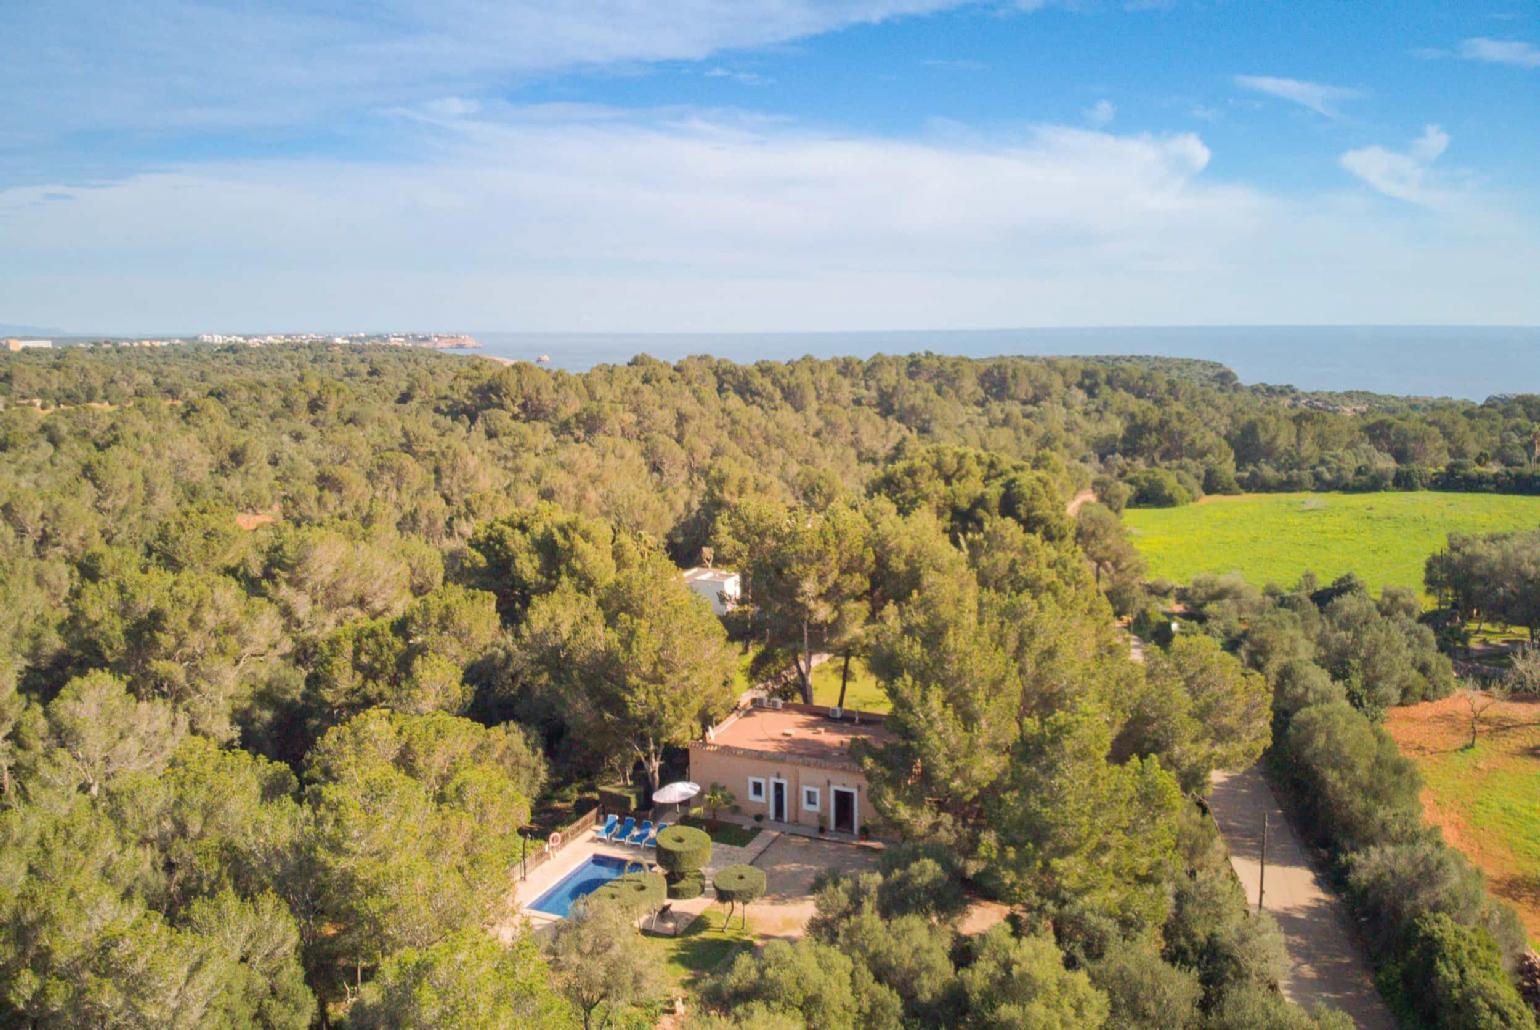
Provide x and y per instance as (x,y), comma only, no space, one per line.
(1470,362)
(429,341)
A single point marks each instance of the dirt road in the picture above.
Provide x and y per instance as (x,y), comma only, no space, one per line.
(1327,967)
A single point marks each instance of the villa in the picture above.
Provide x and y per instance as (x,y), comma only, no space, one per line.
(719,586)
(792,764)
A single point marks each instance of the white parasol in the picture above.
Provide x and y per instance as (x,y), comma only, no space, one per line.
(676,793)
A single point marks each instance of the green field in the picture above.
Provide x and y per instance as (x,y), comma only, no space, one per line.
(1272,538)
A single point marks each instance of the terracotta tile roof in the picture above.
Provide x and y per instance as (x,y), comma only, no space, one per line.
(798,733)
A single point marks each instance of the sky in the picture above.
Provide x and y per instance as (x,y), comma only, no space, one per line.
(171,166)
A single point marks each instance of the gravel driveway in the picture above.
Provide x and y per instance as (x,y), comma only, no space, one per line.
(1327,966)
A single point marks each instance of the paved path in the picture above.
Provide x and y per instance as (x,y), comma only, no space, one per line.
(1327,966)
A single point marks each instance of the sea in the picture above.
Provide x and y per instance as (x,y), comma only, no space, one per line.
(1421,361)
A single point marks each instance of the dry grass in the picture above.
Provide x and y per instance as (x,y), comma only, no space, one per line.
(1485,799)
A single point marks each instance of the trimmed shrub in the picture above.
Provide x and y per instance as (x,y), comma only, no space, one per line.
(636,893)
(683,852)
(739,885)
(683,849)
(618,798)
(1352,785)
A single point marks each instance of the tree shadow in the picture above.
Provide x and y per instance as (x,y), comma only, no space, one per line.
(1328,964)
(1523,888)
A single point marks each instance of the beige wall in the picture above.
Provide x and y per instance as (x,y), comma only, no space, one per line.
(733,770)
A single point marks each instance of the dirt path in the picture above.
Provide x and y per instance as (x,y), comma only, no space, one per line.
(1327,966)
(1079,501)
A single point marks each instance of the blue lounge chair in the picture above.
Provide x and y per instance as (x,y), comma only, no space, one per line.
(641,833)
(619,836)
(652,838)
(603,832)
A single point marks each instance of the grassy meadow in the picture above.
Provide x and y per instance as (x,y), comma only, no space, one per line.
(1272,538)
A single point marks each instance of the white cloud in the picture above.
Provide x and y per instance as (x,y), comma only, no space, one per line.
(743,78)
(181,64)
(1404,176)
(1320,98)
(1101,113)
(1501,51)
(1516,52)
(687,221)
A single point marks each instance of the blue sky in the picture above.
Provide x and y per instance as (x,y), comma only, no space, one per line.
(767,164)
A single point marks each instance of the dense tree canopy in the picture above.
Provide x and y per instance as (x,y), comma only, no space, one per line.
(293,640)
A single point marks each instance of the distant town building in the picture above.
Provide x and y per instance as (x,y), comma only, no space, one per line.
(719,586)
(14,344)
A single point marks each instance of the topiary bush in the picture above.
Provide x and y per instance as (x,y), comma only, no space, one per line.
(686,885)
(683,849)
(683,852)
(739,885)
(637,893)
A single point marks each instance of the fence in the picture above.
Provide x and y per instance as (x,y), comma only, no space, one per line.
(541,851)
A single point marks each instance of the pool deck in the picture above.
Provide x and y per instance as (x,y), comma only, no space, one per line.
(574,854)
(790,860)
(578,851)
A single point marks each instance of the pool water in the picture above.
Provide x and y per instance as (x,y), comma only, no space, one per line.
(594,873)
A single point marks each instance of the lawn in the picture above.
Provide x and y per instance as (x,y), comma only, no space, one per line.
(702,948)
(862,694)
(727,833)
(1485,798)
(1272,538)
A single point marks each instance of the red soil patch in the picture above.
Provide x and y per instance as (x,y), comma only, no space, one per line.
(1435,734)
(1435,727)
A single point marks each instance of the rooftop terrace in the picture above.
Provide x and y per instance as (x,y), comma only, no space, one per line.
(799,732)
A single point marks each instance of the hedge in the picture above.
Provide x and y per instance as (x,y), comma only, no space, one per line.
(619,798)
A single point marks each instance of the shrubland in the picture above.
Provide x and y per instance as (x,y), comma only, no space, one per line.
(1336,659)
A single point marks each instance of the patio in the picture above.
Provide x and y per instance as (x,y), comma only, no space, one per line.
(790,860)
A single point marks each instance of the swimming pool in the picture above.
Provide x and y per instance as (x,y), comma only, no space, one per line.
(594,873)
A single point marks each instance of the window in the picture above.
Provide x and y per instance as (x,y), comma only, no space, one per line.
(810,798)
(756,788)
